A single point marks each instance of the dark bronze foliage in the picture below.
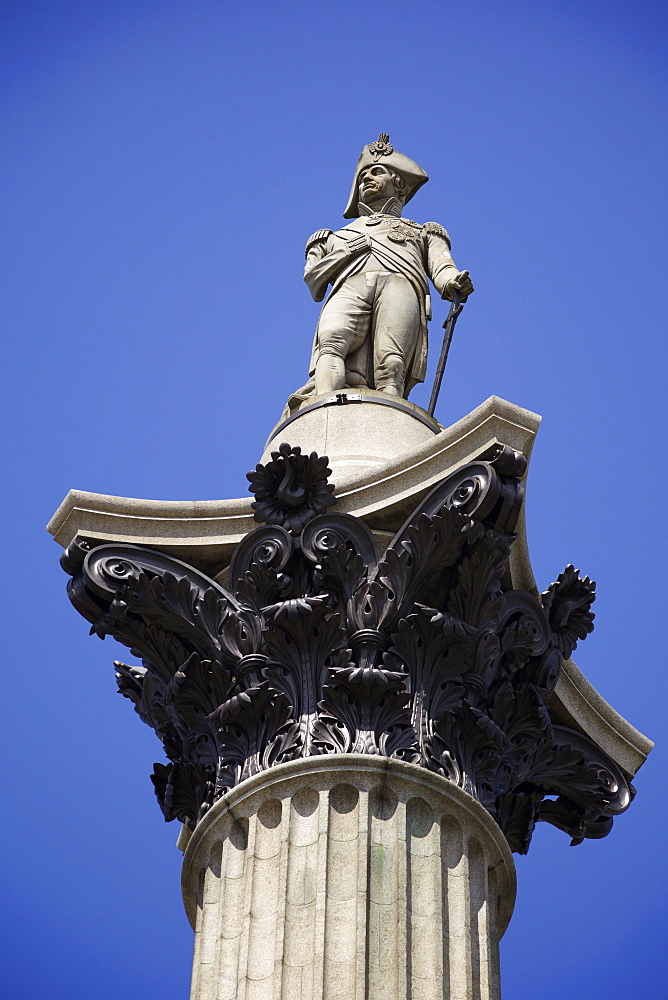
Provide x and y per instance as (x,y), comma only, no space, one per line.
(567,603)
(291,488)
(324,645)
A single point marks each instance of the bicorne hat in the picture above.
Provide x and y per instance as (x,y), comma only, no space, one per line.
(380,151)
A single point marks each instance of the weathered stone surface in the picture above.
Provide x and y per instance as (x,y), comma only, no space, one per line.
(372,330)
(360,432)
(347,877)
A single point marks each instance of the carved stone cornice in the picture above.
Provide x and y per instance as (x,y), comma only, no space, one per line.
(323,645)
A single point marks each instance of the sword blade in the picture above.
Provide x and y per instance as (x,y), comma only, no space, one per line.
(456,307)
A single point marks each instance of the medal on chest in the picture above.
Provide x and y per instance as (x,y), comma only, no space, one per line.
(398,232)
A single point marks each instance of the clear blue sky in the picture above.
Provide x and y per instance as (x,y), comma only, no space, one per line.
(163,164)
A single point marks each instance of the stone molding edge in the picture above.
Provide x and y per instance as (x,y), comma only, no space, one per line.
(345,768)
(190,524)
(496,421)
(588,709)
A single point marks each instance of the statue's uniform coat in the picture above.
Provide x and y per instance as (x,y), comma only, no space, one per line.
(399,247)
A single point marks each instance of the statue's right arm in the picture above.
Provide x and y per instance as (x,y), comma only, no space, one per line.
(325,256)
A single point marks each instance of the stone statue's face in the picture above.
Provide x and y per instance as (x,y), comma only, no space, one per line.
(376,183)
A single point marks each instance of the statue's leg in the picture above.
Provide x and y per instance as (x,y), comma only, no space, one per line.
(396,329)
(356,366)
(344,323)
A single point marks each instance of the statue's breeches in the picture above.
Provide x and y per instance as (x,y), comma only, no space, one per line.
(378,308)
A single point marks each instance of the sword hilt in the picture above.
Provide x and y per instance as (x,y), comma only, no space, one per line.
(456,306)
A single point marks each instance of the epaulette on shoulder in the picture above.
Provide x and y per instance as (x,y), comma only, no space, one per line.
(318,237)
(436,230)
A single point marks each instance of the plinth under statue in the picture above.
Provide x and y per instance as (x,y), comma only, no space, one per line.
(364,702)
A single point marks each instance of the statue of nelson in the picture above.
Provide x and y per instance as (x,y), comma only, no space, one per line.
(372,331)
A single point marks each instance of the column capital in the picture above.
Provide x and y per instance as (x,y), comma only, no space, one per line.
(327,639)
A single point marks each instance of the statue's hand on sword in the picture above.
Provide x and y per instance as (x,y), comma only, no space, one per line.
(461,284)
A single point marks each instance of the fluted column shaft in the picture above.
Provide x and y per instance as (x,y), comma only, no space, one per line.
(347,877)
